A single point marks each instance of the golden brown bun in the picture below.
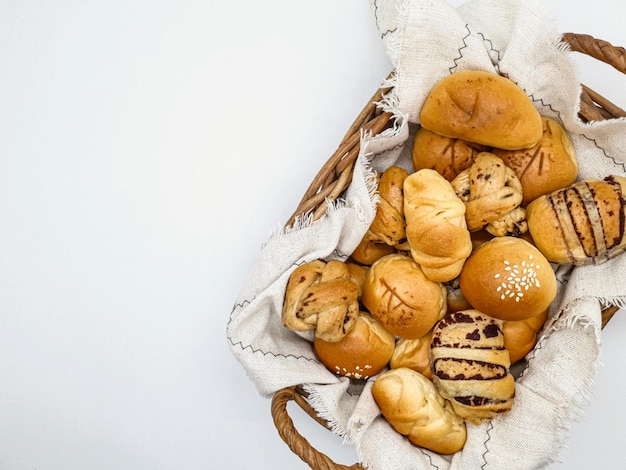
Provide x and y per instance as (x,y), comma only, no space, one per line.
(581,224)
(388,225)
(320,296)
(414,354)
(367,252)
(362,353)
(545,167)
(446,155)
(357,275)
(484,108)
(508,278)
(471,365)
(414,408)
(435,225)
(401,297)
(455,298)
(521,336)
(492,194)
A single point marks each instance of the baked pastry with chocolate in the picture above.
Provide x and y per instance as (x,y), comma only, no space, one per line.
(581,224)
(482,107)
(399,295)
(414,408)
(492,194)
(435,225)
(362,353)
(549,165)
(471,365)
(321,296)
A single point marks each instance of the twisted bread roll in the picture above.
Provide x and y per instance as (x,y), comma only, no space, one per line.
(581,224)
(471,365)
(484,108)
(320,296)
(414,408)
(436,229)
(401,297)
(492,194)
(550,165)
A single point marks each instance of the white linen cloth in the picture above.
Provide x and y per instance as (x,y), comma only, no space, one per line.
(427,40)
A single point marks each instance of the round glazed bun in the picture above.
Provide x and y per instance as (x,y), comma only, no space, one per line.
(484,108)
(509,279)
(362,353)
(398,294)
(545,167)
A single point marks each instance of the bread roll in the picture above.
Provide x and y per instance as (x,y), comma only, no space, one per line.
(482,107)
(492,194)
(414,354)
(547,166)
(581,224)
(320,296)
(508,278)
(388,225)
(435,225)
(362,353)
(471,365)
(446,155)
(398,294)
(414,408)
(520,337)
(367,252)
(455,298)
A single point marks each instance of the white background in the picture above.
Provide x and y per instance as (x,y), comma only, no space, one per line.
(147,150)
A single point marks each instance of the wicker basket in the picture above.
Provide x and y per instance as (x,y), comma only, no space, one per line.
(335,176)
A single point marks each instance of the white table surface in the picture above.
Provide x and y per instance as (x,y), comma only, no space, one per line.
(147,150)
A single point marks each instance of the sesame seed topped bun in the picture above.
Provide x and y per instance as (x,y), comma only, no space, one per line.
(509,279)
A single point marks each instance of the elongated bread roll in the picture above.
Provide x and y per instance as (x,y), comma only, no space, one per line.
(414,408)
(484,108)
(581,224)
(435,225)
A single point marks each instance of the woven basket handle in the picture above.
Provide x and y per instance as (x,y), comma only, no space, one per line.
(296,442)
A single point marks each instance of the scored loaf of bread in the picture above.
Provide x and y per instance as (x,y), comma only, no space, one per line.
(549,165)
(435,225)
(471,365)
(581,224)
(398,294)
(414,408)
(482,107)
(446,155)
